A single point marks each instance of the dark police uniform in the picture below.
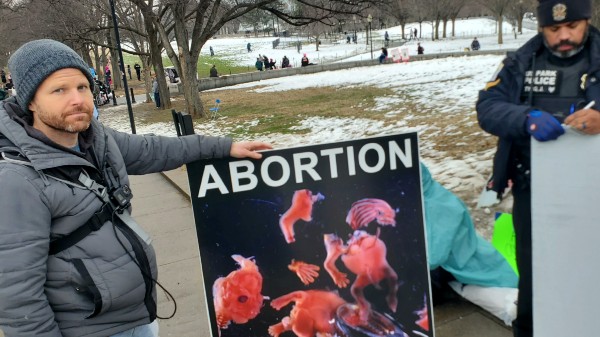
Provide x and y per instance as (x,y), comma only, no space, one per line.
(532,78)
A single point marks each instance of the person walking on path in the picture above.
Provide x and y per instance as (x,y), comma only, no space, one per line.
(249,47)
(129,71)
(73,262)
(138,69)
(212,52)
(561,57)
(420,49)
(156,92)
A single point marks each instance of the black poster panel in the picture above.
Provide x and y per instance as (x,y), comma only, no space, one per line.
(325,239)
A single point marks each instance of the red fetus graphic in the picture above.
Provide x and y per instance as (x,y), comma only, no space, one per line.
(365,256)
(364,211)
(306,272)
(237,296)
(312,314)
(301,208)
(423,320)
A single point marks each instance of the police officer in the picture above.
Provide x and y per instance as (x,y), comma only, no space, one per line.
(548,81)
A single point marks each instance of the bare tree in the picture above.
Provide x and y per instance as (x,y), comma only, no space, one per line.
(517,10)
(454,8)
(195,22)
(401,11)
(499,9)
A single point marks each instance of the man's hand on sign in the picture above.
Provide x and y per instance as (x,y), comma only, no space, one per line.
(248,149)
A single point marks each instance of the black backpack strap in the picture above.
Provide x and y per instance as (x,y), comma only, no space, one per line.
(93,224)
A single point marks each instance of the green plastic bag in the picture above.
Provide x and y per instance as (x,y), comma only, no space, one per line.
(504,239)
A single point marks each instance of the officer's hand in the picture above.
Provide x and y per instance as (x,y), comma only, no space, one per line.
(586,121)
(543,126)
(247,149)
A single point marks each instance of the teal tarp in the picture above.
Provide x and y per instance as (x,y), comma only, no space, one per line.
(453,243)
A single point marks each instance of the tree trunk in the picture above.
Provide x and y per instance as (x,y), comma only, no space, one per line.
(454,27)
(437,29)
(500,20)
(402,25)
(188,65)
(86,55)
(159,72)
(146,66)
(520,25)
(190,88)
(444,28)
(98,65)
(114,61)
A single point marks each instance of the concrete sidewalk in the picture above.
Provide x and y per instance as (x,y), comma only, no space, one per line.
(162,206)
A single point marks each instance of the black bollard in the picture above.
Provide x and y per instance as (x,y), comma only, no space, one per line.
(132,96)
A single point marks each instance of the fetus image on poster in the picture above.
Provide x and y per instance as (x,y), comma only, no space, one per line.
(237,296)
(364,211)
(313,313)
(365,256)
(305,271)
(301,209)
(423,314)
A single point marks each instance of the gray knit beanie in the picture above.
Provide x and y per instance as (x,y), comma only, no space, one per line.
(34,61)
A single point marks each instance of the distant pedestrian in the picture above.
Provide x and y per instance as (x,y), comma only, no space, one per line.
(285,63)
(107,76)
(415,33)
(249,47)
(259,64)
(354,38)
(420,49)
(384,55)
(386,36)
(156,92)
(213,71)
(129,71)
(475,44)
(348,38)
(212,52)
(138,69)
(266,62)
(304,61)
(93,72)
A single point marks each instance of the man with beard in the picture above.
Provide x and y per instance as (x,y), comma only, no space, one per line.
(552,79)
(72,260)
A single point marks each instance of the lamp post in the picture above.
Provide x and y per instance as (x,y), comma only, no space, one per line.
(122,68)
(370,19)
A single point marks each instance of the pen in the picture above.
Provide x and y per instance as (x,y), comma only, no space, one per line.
(589,105)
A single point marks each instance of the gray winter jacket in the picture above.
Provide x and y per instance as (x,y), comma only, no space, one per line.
(46,295)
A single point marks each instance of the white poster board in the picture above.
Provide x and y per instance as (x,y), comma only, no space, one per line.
(566,234)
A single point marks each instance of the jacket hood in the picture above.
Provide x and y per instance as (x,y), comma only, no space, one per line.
(15,125)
